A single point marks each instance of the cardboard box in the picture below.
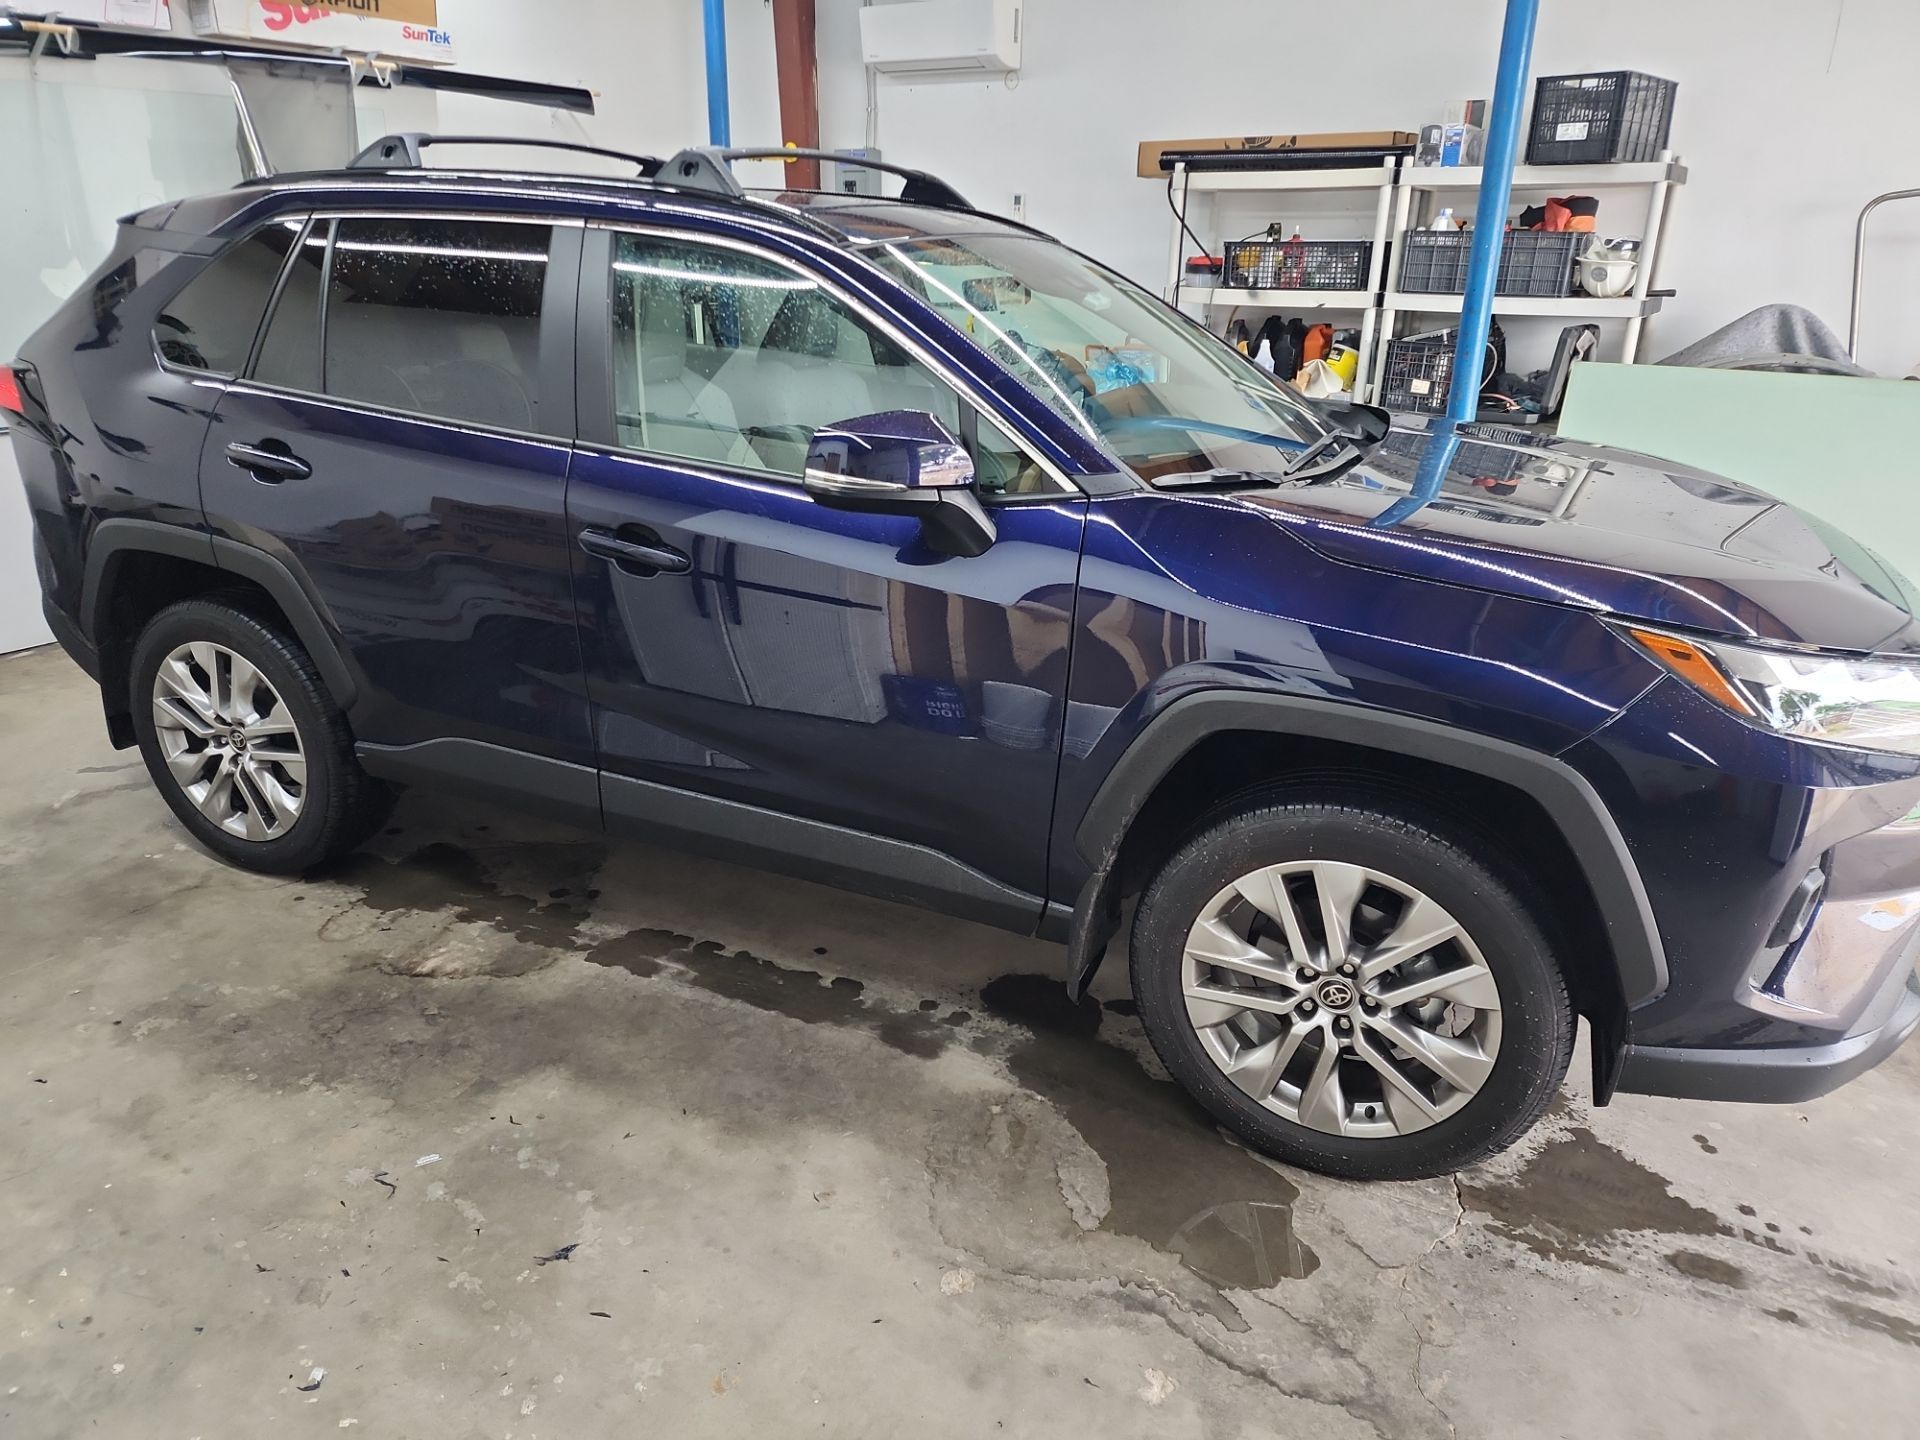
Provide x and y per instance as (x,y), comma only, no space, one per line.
(365,27)
(411,12)
(1152,150)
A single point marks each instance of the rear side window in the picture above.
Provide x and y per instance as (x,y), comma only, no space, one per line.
(210,325)
(290,350)
(438,317)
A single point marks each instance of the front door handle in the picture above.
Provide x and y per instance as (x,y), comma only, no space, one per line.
(636,557)
(269,462)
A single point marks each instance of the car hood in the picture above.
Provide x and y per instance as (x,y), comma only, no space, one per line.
(1608,530)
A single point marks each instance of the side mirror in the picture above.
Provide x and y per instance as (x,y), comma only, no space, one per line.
(902,462)
(1366,423)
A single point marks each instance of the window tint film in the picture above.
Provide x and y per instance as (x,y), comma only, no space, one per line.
(440,317)
(290,351)
(210,325)
(724,357)
(1001,466)
(1164,395)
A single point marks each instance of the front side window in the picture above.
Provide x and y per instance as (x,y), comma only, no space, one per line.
(1162,394)
(724,357)
(440,318)
(210,324)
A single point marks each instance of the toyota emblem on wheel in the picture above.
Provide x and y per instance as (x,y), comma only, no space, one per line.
(1336,994)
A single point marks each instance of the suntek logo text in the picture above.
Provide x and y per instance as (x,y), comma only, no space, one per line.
(429,37)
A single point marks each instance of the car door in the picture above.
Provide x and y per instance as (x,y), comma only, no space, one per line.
(812,688)
(400,445)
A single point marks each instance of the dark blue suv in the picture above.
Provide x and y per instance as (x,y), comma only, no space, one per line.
(900,547)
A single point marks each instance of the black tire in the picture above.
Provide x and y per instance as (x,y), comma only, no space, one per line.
(1536,1018)
(341,805)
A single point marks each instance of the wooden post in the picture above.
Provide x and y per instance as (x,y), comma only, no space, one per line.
(796,63)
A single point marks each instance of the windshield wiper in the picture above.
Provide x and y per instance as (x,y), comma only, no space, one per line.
(1330,455)
(1211,479)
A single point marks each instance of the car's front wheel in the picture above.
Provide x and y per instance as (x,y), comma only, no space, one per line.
(1348,988)
(244,742)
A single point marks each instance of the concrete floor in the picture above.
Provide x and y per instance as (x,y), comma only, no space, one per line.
(817,1165)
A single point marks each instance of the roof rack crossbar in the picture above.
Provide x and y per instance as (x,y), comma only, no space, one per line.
(403,151)
(703,167)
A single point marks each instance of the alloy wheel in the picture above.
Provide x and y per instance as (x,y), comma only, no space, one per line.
(229,741)
(1341,998)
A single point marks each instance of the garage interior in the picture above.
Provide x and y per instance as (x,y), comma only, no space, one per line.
(505,1128)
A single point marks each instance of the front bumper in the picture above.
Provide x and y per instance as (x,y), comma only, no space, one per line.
(1785,880)
(1783,1075)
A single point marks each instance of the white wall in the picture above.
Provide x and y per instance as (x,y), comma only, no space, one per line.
(644,59)
(1791,115)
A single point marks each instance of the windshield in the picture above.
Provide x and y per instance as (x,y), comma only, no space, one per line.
(1164,395)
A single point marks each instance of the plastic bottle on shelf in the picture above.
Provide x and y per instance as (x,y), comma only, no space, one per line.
(1293,270)
(1444,220)
(1264,356)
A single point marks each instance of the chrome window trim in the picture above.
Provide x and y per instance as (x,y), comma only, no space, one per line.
(387,412)
(880,321)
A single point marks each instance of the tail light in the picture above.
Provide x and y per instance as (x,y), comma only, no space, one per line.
(12,397)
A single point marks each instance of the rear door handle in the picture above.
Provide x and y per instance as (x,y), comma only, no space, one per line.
(636,557)
(270,461)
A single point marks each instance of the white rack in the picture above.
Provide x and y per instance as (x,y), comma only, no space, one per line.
(1363,303)
(1413,202)
(1402,195)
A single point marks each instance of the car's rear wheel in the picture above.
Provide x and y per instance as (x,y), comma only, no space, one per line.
(1349,989)
(244,742)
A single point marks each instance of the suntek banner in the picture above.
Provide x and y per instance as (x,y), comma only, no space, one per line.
(398,29)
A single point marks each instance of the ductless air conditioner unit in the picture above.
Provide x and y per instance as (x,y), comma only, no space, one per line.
(942,37)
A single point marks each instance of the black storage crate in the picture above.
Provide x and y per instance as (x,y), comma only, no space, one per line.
(1297,264)
(1532,262)
(1612,117)
(1419,374)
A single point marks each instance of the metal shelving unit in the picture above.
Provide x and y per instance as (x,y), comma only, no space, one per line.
(1413,204)
(1364,304)
(1402,196)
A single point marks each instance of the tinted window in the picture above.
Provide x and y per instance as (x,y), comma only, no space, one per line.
(210,325)
(290,350)
(441,317)
(721,356)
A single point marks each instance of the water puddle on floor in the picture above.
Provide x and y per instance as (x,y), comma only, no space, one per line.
(1578,1195)
(1174,1182)
(440,875)
(797,993)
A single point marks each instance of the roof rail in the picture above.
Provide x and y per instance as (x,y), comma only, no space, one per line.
(703,167)
(700,167)
(403,151)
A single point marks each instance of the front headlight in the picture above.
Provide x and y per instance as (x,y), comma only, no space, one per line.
(1861,702)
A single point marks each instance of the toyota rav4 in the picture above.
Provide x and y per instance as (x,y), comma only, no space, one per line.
(900,547)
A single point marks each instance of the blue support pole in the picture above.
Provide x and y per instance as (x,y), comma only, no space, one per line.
(719,126)
(1490,219)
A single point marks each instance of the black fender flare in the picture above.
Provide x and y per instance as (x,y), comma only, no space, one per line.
(1570,802)
(114,539)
